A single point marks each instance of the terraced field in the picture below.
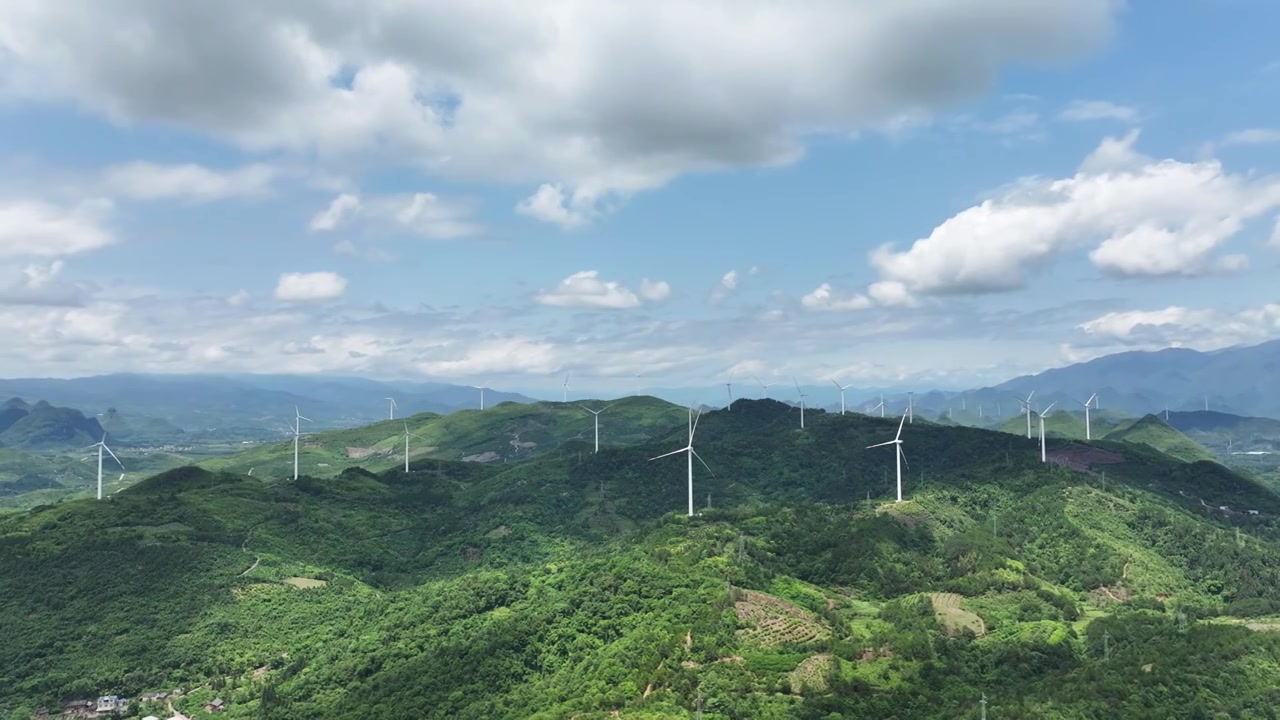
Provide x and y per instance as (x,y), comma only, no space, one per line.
(946,607)
(811,674)
(771,621)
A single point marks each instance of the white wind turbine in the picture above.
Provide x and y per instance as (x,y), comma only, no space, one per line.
(1044,455)
(1026,409)
(879,407)
(764,387)
(102,445)
(391,408)
(566,387)
(407,434)
(802,397)
(693,427)
(911,407)
(481,389)
(842,389)
(899,457)
(1088,432)
(596,413)
(297,437)
(728,390)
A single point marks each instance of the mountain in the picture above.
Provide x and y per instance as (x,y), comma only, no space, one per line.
(572,585)
(249,405)
(43,426)
(139,430)
(504,433)
(1235,380)
(1150,430)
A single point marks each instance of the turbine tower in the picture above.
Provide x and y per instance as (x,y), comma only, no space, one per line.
(1044,454)
(391,409)
(1026,409)
(101,445)
(802,397)
(842,389)
(566,387)
(898,454)
(596,413)
(407,434)
(481,389)
(297,437)
(911,407)
(764,387)
(1088,431)
(879,407)
(688,449)
(728,390)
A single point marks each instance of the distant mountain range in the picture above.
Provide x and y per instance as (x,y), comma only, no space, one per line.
(43,426)
(249,405)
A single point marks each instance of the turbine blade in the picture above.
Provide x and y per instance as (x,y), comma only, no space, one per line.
(673,452)
(695,426)
(833,382)
(887,442)
(901,422)
(1046,410)
(305,418)
(113,456)
(903,455)
(704,462)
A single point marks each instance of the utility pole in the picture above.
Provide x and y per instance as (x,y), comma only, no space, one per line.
(984,706)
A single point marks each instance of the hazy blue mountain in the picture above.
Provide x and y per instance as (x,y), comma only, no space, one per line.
(246,404)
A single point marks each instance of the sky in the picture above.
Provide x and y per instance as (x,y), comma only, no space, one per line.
(662,194)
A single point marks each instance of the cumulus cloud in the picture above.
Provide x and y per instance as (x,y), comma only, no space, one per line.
(1090,110)
(586,289)
(151,181)
(584,98)
(1140,217)
(425,214)
(553,205)
(1175,325)
(32,228)
(823,298)
(728,283)
(303,287)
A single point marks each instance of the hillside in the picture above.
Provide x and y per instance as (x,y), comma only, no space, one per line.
(566,586)
(42,426)
(1156,433)
(503,433)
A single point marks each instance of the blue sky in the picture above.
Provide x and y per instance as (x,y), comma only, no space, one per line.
(905,195)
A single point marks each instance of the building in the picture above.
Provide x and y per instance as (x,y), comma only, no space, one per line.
(217,705)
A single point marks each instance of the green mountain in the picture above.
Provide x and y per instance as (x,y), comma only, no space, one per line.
(572,585)
(504,433)
(1150,430)
(43,426)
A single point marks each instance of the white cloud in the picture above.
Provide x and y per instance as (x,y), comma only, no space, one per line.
(339,209)
(553,205)
(508,355)
(728,283)
(1090,110)
(825,299)
(654,291)
(425,214)
(1142,217)
(38,284)
(606,97)
(310,286)
(239,298)
(1202,329)
(31,228)
(150,181)
(1251,136)
(586,289)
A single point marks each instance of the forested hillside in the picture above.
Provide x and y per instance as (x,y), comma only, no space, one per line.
(572,585)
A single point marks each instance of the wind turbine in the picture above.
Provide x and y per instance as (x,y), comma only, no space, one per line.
(842,389)
(728,389)
(481,389)
(1088,432)
(693,427)
(764,387)
(102,445)
(879,407)
(406,445)
(1026,409)
(1044,455)
(391,408)
(898,454)
(297,437)
(566,387)
(802,397)
(911,407)
(596,413)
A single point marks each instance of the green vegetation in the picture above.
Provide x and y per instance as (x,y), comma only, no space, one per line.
(504,433)
(1153,432)
(571,585)
(42,426)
